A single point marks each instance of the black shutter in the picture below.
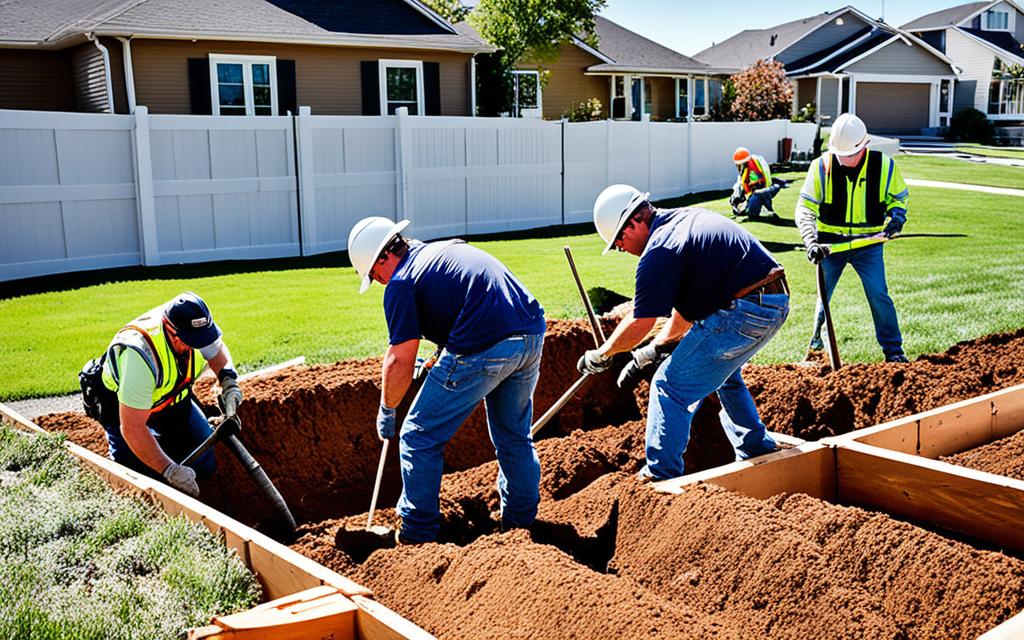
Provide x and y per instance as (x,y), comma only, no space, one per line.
(286,98)
(432,88)
(371,87)
(199,86)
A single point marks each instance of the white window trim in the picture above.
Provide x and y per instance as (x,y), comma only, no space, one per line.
(382,78)
(1009,20)
(246,62)
(540,91)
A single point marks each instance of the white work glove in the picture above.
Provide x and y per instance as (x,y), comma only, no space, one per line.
(182,478)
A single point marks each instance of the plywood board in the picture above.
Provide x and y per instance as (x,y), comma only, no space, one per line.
(374,621)
(958,429)
(978,504)
(1009,412)
(898,435)
(808,468)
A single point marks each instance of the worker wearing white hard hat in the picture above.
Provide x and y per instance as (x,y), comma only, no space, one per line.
(852,201)
(492,333)
(725,297)
(755,188)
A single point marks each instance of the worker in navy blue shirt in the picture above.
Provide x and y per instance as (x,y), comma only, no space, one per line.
(725,297)
(492,331)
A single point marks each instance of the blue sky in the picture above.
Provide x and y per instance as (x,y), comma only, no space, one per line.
(689,26)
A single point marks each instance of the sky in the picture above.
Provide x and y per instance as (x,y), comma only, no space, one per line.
(689,26)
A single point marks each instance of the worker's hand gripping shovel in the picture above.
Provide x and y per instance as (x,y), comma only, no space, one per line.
(227,432)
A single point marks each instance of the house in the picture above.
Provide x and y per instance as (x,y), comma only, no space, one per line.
(234,57)
(986,40)
(844,61)
(625,71)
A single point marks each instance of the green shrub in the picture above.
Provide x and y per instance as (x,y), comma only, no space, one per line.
(971,125)
(586,111)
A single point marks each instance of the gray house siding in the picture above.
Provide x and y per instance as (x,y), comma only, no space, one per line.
(823,38)
(90,79)
(899,59)
(829,98)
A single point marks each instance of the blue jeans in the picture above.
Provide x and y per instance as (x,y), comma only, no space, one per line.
(504,376)
(178,429)
(761,199)
(869,265)
(709,359)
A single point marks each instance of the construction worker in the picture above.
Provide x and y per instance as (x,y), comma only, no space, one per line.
(144,395)
(492,331)
(725,297)
(754,185)
(854,199)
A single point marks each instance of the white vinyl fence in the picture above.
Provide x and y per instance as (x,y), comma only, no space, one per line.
(89,191)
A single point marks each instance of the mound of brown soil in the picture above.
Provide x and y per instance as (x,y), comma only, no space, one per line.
(79,428)
(1004,457)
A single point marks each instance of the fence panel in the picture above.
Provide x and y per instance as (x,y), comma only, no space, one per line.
(67,193)
(476,175)
(586,167)
(224,188)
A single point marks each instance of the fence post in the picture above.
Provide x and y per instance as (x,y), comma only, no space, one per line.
(650,152)
(307,185)
(689,156)
(563,121)
(148,245)
(403,163)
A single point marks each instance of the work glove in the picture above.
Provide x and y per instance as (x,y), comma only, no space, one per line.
(816,252)
(593,363)
(230,396)
(386,422)
(182,478)
(643,358)
(893,229)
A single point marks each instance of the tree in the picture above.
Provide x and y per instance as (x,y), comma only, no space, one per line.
(450,10)
(763,92)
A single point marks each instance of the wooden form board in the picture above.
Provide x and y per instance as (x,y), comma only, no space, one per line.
(980,505)
(808,468)
(949,429)
(280,570)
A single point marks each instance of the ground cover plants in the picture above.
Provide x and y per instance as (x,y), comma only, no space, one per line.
(79,561)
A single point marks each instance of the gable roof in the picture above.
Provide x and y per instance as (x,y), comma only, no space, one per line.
(748,46)
(391,23)
(946,17)
(1001,41)
(626,51)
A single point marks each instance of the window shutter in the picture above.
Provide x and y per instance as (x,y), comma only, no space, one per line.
(286,98)
(432,88)
(371,87)
(199,86)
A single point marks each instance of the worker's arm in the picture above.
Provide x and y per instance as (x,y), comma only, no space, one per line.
(396,372)
(220,358)
(673,330)
(897,200)
(807,206)
(630,332)
(140,439)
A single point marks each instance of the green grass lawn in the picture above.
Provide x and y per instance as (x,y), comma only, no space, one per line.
(956,274)
(965,171)
(1014,153)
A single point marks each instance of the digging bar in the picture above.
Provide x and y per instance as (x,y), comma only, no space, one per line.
(561,402)
(228,431)
(376,491)
(833,345)
(595,326)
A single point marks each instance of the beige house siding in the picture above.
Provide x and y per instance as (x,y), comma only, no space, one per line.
(37,80)
(976,61)
(568,84)
(900,59)
(90,80)
(327,79)
(663,105)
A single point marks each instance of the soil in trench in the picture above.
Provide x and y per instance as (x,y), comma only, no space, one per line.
(312,429)
(1004,457)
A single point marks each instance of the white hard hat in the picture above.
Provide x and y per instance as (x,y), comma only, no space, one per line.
(367,240)
(849,135)
(613,208)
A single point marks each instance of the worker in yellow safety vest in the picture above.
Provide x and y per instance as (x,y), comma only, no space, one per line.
(140,390)
(852,201)
(754,185)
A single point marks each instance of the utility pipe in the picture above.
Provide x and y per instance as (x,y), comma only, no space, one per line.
(129,72)
(106,70)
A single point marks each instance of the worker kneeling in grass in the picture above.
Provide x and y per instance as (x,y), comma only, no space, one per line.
(492,331)
(725,296)
(853,200)
(754,185)
(140,390)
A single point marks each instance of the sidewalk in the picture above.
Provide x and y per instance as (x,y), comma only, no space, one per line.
(965,187)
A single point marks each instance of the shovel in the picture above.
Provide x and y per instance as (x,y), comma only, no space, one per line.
(360,543)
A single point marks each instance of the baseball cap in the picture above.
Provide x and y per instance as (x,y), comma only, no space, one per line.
(191,319)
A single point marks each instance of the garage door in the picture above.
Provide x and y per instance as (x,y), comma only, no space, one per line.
(888,106)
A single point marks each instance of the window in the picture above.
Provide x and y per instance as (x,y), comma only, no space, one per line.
(401,85)
(243,85)
(682,106)
(944,87)
(526,93)
(699,102)
(997,20)
(618,97)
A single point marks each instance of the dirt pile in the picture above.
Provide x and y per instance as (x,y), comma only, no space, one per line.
(1004,457)
(79,428)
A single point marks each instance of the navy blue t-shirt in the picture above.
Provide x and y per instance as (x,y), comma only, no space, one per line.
(459,296)
(695,261)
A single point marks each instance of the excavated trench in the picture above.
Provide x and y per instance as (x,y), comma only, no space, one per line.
(608,556)
(1004,457)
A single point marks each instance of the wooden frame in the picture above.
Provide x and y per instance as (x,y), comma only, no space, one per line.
(280,570)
